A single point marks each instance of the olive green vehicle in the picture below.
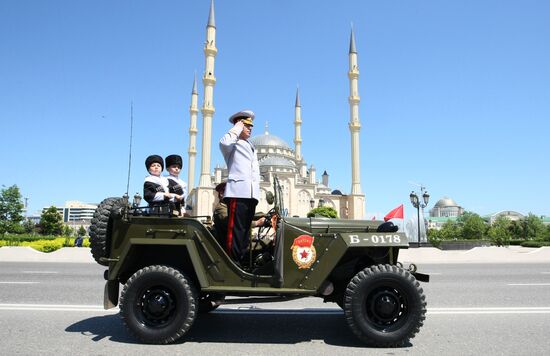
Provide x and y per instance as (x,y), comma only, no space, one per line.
(173,269)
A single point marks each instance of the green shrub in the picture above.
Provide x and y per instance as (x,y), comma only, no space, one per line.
(41,243)
(45,245)
(16,239)
(435,237)
(326,211)
(535,243)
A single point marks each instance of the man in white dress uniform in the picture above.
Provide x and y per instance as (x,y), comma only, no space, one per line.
(243,182)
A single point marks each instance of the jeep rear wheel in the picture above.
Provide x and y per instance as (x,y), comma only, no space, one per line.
(100,228)
(384,306)
(158,304)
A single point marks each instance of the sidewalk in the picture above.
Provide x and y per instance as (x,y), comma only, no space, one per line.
(492,254)
(27,254)
(511,254)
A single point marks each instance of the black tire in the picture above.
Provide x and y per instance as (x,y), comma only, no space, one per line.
(209,302)
(158,304)
(384,306)
(100,228)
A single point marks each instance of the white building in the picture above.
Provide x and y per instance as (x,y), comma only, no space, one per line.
(446,208)
(75,213)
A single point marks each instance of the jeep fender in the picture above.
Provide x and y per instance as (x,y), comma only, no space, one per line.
(185,247)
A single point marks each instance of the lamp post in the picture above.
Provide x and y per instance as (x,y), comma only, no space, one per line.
(321,202)
(135,204)
(418,204)
(312,203)
(137,200)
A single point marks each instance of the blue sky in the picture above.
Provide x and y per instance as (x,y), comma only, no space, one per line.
(454,94)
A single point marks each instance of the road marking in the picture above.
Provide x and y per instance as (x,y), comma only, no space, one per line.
(335,311)
(528,284)
(56,307)
(17,282)
(491,310)
(40,272)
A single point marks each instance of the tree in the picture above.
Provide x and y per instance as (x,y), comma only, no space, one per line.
(67,230)
(534,228)
(547,233)
(472,226)
(81,231)
(450,231)
(517,230)
(325,211)
(11,210)
(500,232)
(51,222)
(28,226)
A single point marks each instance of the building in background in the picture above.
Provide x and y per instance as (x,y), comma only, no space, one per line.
(444,210)
(508,214)
(76,213)
(301,190)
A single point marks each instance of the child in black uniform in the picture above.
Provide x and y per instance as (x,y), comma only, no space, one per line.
(155,187)
(176,186)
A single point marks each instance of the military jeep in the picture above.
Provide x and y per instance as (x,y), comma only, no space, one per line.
(173,269)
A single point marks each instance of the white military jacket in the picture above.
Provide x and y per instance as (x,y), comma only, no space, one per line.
(240,157)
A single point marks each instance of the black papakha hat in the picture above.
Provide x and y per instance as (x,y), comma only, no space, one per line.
(154,159)
(220,188)
(174,159)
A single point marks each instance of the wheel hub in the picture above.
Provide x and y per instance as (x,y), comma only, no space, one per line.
(157,306)
(384,306)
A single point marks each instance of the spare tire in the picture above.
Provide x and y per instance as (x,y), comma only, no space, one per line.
(101,226)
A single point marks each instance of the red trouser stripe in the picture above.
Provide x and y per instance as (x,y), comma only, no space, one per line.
(230,224)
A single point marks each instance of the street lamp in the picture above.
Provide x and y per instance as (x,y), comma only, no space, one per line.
(137,200)
(135,204)
(312,203)
(321,202)
(418,204)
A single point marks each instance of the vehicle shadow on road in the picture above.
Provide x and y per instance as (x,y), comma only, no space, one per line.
(275,327)
(241,326)
(100,327)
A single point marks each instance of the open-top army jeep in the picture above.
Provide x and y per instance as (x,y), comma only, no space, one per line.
(172,269)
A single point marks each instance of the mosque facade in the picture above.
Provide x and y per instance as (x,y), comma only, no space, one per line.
(301,188)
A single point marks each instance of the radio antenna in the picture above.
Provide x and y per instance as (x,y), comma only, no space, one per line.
(130,150)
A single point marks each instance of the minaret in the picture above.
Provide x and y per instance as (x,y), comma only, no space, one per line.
(192,152)
(312,175)
(325,178)
(297,128)
(354,124)
(207,110)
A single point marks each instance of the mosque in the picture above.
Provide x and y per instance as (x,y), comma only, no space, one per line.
(301,189)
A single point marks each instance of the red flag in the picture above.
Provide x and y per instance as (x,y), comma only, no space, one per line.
(396,213)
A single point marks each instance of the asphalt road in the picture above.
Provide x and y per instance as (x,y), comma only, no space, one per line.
(473,309)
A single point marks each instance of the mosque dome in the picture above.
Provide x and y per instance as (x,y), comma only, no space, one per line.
(269,140)
(445,202)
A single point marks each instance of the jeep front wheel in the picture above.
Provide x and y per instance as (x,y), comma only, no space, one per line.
(158,304)
(384,306)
